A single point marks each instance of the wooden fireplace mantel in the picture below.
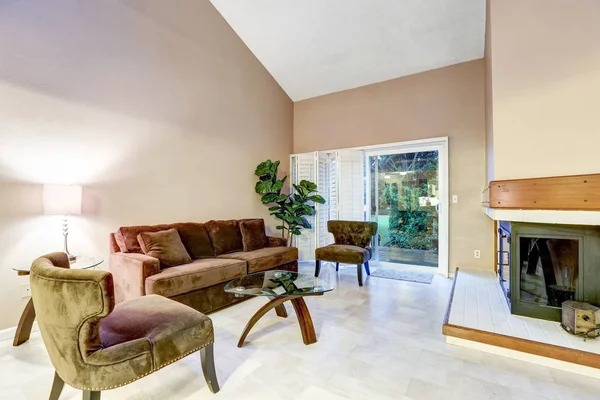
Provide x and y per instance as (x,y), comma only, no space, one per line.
(572,193)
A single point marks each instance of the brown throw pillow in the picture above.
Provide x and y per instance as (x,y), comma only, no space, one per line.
(225,236)
(253,234)
(166,246)
(195,239)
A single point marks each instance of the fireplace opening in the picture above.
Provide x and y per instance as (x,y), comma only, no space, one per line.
(540,266)
(549,270)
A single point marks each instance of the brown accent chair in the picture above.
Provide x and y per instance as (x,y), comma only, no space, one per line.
(217,252)
(352,240)
(95,345)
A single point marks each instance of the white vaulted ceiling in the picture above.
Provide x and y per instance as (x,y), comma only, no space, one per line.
(316,47)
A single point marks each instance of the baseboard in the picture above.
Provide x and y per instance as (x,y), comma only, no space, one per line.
(527,357)
(9,333)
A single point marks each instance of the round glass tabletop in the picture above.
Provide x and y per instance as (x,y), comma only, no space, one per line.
(83,262)
(278,283)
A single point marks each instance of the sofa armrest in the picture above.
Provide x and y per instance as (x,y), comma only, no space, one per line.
(277,241)
(130,271)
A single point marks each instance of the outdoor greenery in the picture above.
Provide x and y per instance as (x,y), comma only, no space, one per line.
(291,209)
(411,225)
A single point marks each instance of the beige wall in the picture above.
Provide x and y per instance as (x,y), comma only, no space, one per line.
(546,85)
(161,112)
(444,102)
(489,99)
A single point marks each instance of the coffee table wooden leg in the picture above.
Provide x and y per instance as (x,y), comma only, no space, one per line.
(276,302)
(25,324)
(304,319)
(281,311)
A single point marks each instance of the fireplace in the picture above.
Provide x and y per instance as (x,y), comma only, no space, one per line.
(540,266)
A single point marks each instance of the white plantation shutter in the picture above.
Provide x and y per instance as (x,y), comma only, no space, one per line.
(303,168)
(350,185)
(323,210)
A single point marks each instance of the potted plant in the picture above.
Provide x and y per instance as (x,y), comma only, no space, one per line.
(291,209)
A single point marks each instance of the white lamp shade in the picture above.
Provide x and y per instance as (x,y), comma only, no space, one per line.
(62,199)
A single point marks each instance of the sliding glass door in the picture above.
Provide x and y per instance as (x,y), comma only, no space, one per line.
(405,199)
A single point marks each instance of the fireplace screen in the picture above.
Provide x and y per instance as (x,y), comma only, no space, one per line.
(549,270)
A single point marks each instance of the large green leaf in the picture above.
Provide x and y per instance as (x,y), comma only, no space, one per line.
(269,198)
(263,187)
(263,168)
(288,218)
(308,185)
(277,186)
(300,190)
(274,208)
(296,232)
(317,199)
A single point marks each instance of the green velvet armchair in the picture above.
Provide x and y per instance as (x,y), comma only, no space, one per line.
(352,241)
(95,345)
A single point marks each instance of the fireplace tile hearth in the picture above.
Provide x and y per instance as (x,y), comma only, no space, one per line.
(479,303)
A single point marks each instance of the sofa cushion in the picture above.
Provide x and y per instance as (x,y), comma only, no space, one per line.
(343,253)
(253,234)
(166,246)
(126,236)
(266,258)
(195,239)
(193,276)
(225,236)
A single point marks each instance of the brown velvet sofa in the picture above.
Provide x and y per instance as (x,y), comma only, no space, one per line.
(216,250)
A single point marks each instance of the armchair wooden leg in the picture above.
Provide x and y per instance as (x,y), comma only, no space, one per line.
(57,387)
(317,268)
(360,279)
(207,356)
(91,395)
(367,268)
(337,267)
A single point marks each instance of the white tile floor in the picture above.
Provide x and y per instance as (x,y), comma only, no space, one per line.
(479,303)
(382,341)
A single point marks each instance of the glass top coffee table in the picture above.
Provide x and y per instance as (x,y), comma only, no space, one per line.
(279,287)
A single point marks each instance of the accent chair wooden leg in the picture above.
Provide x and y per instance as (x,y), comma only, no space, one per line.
(367,268)
(317,268)
(91,395)
(207,356)
(337,267)
(359,270)
(25,324)
(57,387)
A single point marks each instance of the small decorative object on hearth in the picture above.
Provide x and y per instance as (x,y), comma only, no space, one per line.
(581,319)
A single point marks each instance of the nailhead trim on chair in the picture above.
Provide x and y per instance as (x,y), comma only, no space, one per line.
(146,374)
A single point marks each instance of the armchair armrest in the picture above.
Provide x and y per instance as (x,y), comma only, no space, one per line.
(130,271)
(277,241)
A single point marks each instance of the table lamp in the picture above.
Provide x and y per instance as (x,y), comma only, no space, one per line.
(63,200)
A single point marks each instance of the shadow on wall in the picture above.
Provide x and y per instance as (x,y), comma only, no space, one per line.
(157,57)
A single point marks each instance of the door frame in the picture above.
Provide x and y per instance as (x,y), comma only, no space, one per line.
(441,146)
